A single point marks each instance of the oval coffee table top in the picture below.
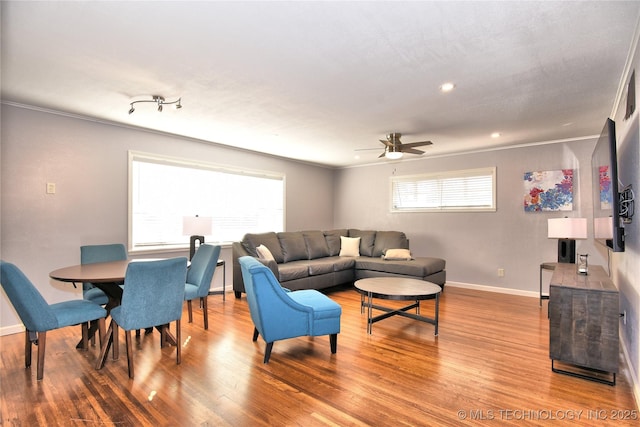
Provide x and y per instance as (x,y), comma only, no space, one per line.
(398,288)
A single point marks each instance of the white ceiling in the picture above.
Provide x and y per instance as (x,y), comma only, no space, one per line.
(315,81)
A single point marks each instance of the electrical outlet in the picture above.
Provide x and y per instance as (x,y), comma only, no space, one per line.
(501,272)
(51,188)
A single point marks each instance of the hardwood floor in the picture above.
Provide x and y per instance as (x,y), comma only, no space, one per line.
(489,364)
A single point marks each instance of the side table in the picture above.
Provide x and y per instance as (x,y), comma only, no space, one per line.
(545,266)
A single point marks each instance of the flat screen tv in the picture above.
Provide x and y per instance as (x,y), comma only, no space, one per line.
(607,223)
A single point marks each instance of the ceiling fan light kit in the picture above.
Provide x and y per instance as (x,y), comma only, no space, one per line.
(394,149)
(160,101)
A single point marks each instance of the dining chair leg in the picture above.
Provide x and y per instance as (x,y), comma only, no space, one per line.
(333,339)
(85,336)
(205,312)
(42,342)
(267,352)
(129,343)
(178,342)
(255,334)
(189,310)
(27,349)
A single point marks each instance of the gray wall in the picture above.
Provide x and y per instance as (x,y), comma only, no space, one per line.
(476,245)
(87,161)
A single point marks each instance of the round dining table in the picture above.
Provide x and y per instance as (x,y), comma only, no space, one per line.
(107,276)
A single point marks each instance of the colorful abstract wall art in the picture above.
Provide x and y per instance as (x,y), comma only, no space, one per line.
(606,196)
(548,191)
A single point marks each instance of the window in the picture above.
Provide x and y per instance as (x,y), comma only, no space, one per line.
(463,190)
(163,190)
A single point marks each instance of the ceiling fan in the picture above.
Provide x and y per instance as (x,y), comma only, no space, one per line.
(394,149)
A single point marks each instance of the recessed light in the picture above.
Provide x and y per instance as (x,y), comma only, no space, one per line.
(447,87)
(496,135)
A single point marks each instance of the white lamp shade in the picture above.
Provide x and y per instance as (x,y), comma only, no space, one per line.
(603,228)
(197,225)
(567,228)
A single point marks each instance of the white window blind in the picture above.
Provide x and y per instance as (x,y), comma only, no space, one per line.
(463,190)
(164,190)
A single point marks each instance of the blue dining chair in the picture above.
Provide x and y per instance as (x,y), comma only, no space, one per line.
(153,296)
(39,317)
(90,254)
(199,277)
(279,313)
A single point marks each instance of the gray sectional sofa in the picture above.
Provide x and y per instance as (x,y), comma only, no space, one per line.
(311,259)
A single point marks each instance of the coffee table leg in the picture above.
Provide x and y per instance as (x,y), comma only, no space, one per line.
(370,313)
(437,312)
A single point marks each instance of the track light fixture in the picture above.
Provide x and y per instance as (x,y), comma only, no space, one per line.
(160,101)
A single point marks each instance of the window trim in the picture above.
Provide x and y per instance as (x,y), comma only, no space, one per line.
(161,159)
(492,171)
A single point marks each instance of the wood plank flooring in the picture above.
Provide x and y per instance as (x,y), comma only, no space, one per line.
(489,365)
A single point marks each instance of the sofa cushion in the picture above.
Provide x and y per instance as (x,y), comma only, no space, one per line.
(316,244)
(349,246)
(251,241)
(389,240)
(333,240)
(367,239)
(293,270)
(293,246)
(320,266)
(342,263)
(409,268)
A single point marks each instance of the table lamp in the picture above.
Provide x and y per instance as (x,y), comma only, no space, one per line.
(566,230)
(197,227)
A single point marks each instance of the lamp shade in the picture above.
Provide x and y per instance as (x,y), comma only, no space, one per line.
(603,228)
(197,225)
(567,228)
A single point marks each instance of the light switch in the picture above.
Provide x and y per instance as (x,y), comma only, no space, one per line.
(51,188)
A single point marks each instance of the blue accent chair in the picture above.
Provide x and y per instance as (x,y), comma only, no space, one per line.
(279,313)
(153,296)
(39,317)
(90,254)
(199,277)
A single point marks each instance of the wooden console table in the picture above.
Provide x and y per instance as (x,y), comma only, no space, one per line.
(583,330)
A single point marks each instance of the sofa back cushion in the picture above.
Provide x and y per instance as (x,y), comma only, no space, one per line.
(293,246)
(367,239)
(316,244)
(389,240)
(251,241)
(333,240)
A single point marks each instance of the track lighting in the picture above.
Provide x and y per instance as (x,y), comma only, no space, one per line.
(160,101)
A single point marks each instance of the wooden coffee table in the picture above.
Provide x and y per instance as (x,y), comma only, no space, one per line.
(397,288)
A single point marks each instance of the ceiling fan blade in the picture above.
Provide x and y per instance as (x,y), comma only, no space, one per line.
(417,144)
(366,149)
(411,150)
(386,143)
(382,155)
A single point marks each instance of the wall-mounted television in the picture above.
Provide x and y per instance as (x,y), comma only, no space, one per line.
(607,222)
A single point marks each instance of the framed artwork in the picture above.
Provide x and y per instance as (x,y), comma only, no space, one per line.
(606,196)
(548,191)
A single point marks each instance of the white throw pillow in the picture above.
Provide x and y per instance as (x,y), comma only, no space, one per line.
(398,254)
(349,246)
(264,253)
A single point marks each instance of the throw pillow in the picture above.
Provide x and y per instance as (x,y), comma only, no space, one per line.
(397,254)
(264,253)
(349,246)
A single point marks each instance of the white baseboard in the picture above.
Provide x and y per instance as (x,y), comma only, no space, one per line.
(10,330)
(500,290)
